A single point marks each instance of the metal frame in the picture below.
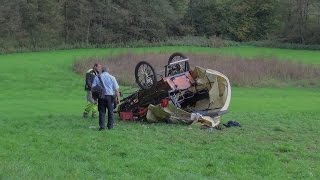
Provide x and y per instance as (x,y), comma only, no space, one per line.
(173,63)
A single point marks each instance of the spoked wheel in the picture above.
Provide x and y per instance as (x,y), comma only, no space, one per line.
(179,67)
(145,75)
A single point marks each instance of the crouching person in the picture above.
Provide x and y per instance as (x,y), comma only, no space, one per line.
(109,95)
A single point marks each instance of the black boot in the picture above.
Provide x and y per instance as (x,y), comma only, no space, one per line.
(85,114)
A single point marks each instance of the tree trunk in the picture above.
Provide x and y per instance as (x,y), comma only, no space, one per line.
(66,31)
(88,31)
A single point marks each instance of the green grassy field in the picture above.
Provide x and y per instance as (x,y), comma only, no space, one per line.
(43,135)
(299,56)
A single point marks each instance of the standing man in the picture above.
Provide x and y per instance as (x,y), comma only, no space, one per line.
(91,98)
(106,100)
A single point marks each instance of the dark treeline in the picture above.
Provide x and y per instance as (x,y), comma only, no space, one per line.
(50,23)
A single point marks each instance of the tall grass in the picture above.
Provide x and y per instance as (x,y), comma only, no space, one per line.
(281,45)
(241,71)
(198,41)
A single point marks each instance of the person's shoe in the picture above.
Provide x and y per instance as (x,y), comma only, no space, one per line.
(101,129)
(94,115)
(85,114)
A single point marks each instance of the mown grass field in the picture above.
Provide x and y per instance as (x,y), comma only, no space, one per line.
(43,135)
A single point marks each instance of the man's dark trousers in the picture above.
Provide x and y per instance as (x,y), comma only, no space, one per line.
(103,104)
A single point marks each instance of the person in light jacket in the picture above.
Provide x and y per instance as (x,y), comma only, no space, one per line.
(108,99)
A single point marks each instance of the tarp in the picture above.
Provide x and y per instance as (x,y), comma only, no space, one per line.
(173,114)
(219,98)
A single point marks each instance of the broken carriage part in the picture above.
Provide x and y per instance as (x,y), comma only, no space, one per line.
(177,63)
(178,94)
(177,78)
(178,58)
(145,75)
(146,78)
(153,92)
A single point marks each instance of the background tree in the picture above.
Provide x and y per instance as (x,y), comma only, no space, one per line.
(299,21)
(50,23)
(10,23)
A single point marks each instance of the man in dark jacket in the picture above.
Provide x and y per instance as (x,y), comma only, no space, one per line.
(91,97)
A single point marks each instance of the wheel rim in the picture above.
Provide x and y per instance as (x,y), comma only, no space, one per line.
(184,66)
(177,58)
(145,76)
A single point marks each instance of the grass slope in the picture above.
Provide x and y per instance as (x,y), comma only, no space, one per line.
(300,56)
(44,136)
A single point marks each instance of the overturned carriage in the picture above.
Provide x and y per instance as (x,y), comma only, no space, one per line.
(178,95)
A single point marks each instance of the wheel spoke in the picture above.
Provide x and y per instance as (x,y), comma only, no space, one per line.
(145,75)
